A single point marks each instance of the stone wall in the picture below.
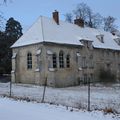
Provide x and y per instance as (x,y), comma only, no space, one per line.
(85,62)
(24,75)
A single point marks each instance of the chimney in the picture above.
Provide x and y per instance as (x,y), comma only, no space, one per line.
(56,16)
(79,22)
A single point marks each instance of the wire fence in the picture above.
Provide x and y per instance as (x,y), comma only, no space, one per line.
(92,96)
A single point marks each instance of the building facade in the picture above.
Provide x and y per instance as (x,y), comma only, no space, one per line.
(64,53)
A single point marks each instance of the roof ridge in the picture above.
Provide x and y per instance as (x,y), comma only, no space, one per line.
(42,28)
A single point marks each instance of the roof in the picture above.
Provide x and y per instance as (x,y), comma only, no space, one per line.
(46,30)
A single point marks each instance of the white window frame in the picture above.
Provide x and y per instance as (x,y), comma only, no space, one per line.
(61,59)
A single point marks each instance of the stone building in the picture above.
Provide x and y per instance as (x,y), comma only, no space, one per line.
(64,53)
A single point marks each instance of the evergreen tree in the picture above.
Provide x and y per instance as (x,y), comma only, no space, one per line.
(3,51)
(12,32)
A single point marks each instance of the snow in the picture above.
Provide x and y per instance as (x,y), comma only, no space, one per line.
(38,52)
(101,97)
(78,54)
(37,70)
(49,52)
(21,110)
(51,69)
(46,30)
(14,55)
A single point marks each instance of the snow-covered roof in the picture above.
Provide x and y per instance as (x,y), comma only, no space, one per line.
(46,29)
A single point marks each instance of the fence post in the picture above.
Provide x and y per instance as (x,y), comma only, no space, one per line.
(44,90)
(88,94)
(10,88)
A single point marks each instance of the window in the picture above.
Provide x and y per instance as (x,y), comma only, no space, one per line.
(84,64)
(100,38)
(85,78)
(117,40)
(108,53)
(61,59)
(54,57)
(29,61)
(108,65)
(91,77)
(68,61)
(119,67)
(91,65)
(38,62)
(89,44)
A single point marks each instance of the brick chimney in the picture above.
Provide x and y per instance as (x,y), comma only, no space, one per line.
(79,22)
(56,16)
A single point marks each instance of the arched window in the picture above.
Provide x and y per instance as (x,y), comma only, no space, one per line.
(68,61)
(61,59)
(29,60)
(54,57)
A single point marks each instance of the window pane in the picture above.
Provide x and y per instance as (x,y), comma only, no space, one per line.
(54,61)
(61,60)
(29,61)
(68,61)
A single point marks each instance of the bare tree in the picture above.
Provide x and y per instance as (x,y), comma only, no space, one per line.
(91,19)
(5,1)
(69,17)
(109,24)
(2,20)
(94,20)
(85,13)
(81,11)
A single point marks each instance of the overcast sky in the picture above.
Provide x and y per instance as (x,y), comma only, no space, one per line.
(27,11)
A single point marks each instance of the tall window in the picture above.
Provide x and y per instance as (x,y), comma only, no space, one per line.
(85,78)
(84,64)
(68,61)
(54,60)
(61,59)
(91,77)
(91,61)
(29,61)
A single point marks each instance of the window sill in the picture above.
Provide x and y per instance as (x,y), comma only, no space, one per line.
(52,69)
(37,70)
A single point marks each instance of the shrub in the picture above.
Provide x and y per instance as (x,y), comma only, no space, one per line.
(106,76)
(108,110)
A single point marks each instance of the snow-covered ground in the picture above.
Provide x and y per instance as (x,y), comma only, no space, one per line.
(101,97)
(21,110)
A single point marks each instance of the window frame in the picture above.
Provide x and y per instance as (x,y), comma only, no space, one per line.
(68,60)
(29,60)
(91,63)
(54,60)
(84,62)
(61,59)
